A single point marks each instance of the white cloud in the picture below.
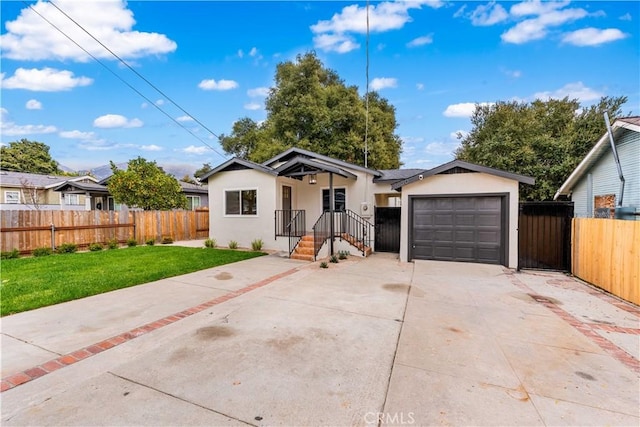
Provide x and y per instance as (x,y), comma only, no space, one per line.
(76,134)
(192,149)
(252,106)
(441,148)
(537,28)
(159,102)
(536,7)
(575,90)
(185,119)
(258,92)
(44,80)
(151,147)
(412,139)
(421,41)
(110,121)
(488,14)
(211,84)
(458,134)
(420,86)
(33,104)
(593,36)
(333,35)
(464,109)
(9,128)
(626,17)
(240,53)
(253,51)
(31,38)
(383,82)
(514,74)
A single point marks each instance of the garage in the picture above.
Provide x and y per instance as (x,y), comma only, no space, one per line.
(460,228)
(461,212)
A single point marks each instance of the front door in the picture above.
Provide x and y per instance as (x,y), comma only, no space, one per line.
(286,206)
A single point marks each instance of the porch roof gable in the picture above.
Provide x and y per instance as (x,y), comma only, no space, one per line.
(294,152)
(300,166)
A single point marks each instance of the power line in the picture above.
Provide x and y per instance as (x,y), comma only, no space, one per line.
(124,81)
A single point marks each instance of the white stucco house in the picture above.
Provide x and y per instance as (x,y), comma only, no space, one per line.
(298,199)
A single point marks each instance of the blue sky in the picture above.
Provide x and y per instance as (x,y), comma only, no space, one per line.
(433,60)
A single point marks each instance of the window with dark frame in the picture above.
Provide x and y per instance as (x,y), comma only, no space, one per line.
(339,199)
(241,202)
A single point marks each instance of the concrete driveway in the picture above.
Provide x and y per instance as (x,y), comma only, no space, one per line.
(271,341)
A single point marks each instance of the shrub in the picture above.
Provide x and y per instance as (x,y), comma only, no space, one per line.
(113,244)
(14,253)
(95,247)
(132,242)
(233,244)
(343,254)
(333,259)
(67,248)
(324,265)
(210,243)
(43,251)
(257,244)
(151,242)
(167,240)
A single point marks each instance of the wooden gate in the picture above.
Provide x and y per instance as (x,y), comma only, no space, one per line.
(544,235)
(387,225)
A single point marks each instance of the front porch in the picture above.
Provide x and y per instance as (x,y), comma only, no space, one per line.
(332,228)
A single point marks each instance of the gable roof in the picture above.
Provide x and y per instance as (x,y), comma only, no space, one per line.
(602,146)
(459,166)
(70,186)
(237,164)
(295,168)
(15,179)
(299,152)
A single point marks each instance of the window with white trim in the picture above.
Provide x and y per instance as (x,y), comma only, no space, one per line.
(12,197)
(72,199)
(241,202)
(193,202)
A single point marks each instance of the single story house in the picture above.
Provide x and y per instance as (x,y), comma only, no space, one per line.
(595,186)
(312,205)
(30,191)
(97,197)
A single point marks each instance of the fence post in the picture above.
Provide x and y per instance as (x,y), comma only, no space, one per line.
(53,237)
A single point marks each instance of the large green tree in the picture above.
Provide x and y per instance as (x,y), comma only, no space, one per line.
(145,185)
(28,156)
(311,107)
(542,139)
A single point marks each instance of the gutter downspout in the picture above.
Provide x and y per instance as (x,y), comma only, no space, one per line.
(615,157)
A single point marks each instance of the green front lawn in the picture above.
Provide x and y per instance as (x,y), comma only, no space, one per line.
(29,283)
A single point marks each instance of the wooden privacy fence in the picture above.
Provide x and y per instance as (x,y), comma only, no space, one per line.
(28,230)
(606,253)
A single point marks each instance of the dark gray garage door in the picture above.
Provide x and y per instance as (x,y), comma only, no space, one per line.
(458,229)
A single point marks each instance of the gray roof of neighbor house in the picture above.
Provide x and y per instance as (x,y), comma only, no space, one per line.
(188,187)
(618,127)
(298,152)
(459,166)
(16,179)
(70,186)
(394,175)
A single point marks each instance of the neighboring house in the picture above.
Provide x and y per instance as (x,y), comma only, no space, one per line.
(457,211)
(595,187)
(98,197)
(31,191)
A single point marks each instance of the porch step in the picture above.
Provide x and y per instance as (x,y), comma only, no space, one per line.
(302,257)
(304,250)
(358,245)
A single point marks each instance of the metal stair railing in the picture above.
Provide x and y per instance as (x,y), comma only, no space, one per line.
(291,224)
(359,231)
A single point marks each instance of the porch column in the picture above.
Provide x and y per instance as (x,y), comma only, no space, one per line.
(87,202)
(331,209)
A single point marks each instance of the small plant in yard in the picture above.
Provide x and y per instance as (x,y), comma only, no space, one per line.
(324,265)
(43,251)
(333,259)
(151,242)
(95,247)
(233,244)
(113,244)
(166,240)
(257,244)
(14,253)
(210,243)
(343,254)
(132,242)
(67,248)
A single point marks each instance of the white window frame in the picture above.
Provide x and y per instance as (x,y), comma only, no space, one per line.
(68,199)
(239,190)
(193,198)
(8,201)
